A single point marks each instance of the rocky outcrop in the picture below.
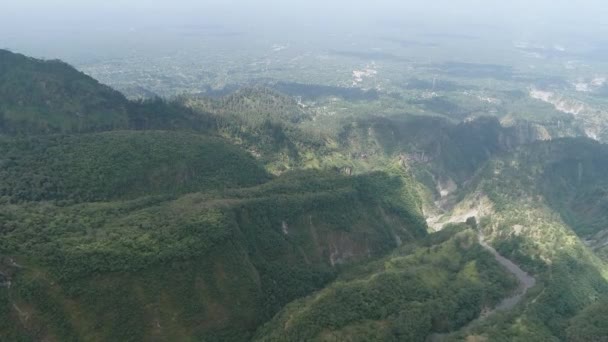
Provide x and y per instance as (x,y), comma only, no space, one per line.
(561,103)
(5,281)
(347,170)
(522,132)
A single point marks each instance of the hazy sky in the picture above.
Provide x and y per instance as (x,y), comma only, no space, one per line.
(554,12)
(28,24)
(564,8)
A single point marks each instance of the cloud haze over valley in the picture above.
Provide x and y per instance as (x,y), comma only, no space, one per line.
(304,170)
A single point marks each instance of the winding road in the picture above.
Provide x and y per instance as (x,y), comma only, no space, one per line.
(526,281)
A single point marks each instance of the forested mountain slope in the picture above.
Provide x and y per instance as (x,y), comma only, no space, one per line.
(121,164)
(235,219)
(52,96)
(536,205)
(173,233)
(202,265)
(435,287)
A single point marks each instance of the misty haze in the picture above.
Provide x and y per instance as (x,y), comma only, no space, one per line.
(304,170)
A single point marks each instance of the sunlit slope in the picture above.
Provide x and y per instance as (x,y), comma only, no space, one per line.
(537,205)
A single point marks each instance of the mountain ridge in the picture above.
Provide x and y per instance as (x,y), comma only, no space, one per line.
(236,218)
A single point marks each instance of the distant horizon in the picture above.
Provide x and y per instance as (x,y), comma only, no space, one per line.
(37,27)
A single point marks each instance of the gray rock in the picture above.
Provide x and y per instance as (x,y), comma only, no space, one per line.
(4,280)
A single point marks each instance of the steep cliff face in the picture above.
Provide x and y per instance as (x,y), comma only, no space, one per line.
(521,133)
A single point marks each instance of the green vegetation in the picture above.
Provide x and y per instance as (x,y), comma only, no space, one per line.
(265,122)
(123,164)
(567,173)
(526,192)
(51,96)
(260,247)
(434,145)
(264,216)
(407,296)
(589,325)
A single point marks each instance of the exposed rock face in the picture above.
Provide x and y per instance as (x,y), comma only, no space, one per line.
(560,103)
(4,280)
(446,187)
(342,249)
(347,171)
(418,157)
(589,119)
(520,133)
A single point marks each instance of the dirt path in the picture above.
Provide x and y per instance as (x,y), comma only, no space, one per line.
(526,282)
